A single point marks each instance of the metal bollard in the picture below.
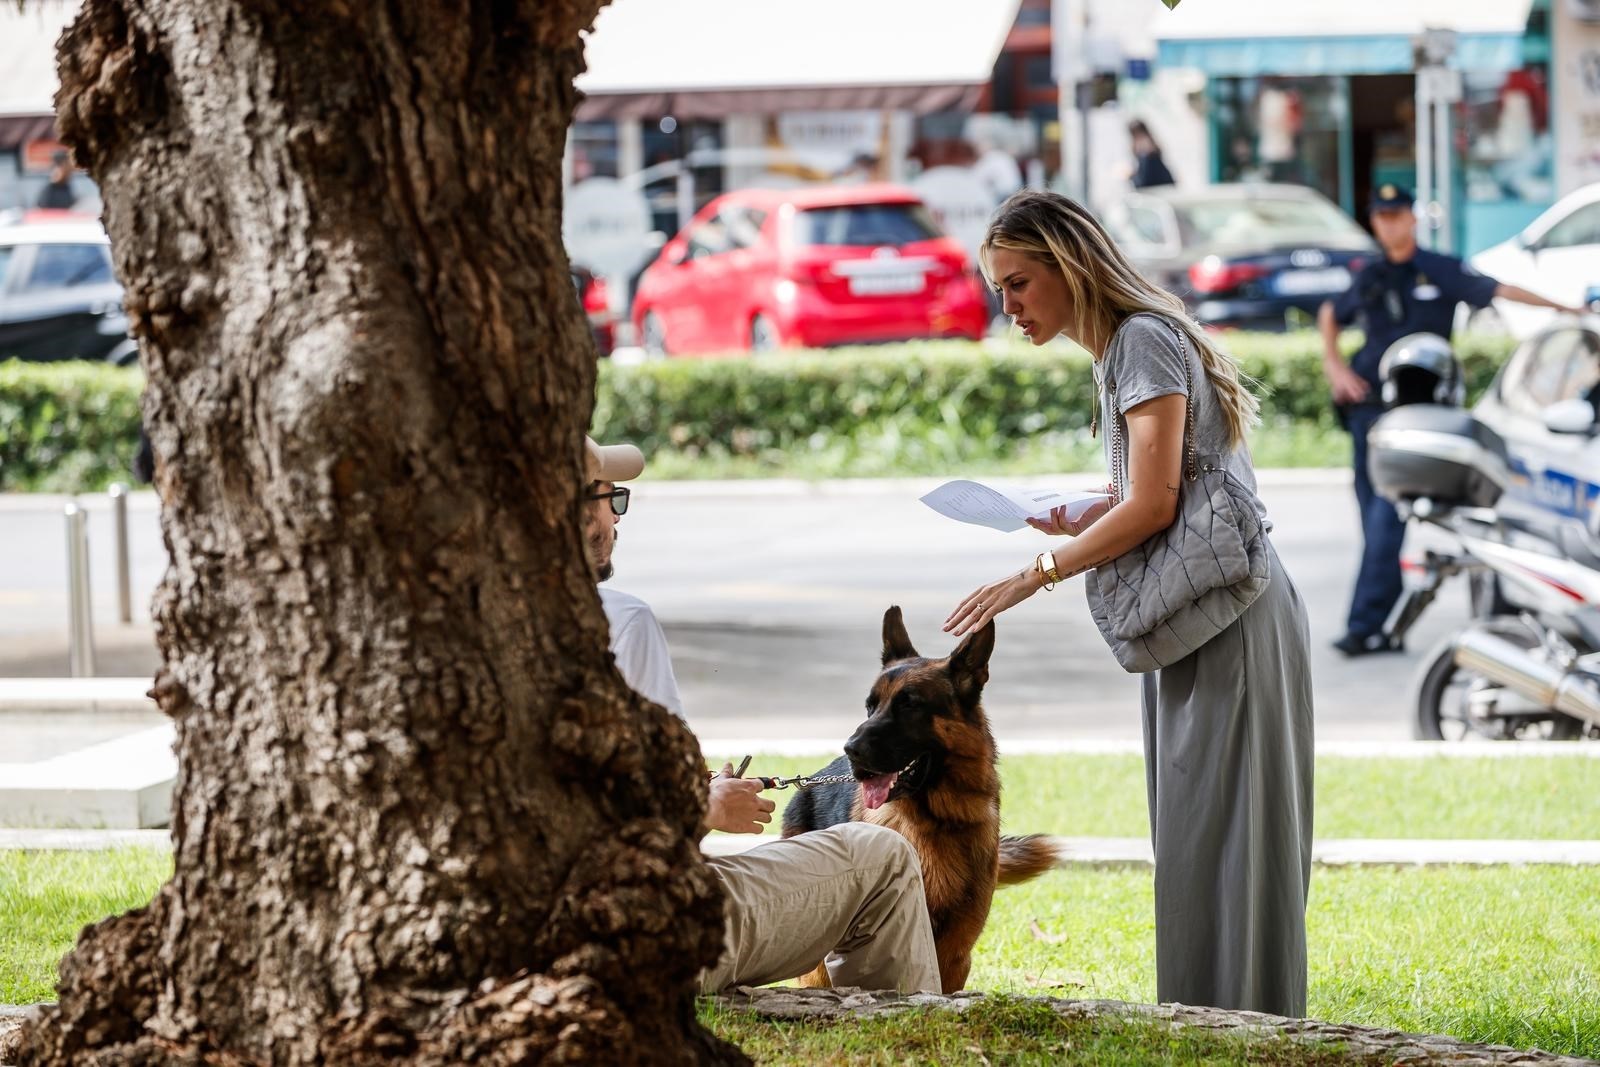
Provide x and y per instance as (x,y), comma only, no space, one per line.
(80,632)
(119,519)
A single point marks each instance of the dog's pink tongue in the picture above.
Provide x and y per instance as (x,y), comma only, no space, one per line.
(874,791)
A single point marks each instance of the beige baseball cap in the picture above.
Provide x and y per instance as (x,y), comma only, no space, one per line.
(613,463)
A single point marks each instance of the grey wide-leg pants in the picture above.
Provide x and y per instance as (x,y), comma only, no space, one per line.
(1228,762)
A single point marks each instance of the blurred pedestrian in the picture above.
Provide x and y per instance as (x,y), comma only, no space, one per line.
(1149,169)
(57,195)
(863,167)
(144,458)
(1407,290)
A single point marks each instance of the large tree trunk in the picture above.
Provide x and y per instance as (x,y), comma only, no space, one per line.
(419,817)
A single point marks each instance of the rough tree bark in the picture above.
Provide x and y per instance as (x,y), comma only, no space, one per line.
(419,818)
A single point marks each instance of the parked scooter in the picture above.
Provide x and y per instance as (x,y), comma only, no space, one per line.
(1528,664)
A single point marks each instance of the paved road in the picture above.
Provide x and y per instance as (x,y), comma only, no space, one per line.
(773,595)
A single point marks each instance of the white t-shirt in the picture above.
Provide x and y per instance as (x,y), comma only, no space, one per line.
(640,647)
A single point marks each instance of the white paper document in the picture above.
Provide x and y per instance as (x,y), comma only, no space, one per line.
(1005,507)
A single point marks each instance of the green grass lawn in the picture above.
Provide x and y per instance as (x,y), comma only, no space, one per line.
(1506,955)
(1460,797)
(47,897)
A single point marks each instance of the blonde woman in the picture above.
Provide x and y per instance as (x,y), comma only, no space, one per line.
(1227,729)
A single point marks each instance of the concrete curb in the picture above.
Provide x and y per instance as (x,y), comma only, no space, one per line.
(720,748)
(1351,852)
(1275,478)
(125,694)
(77,694)
(139,500)
(124,783)
(1270,478)
(1076,851)
(82,840)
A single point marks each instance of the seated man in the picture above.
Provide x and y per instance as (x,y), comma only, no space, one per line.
(850,894)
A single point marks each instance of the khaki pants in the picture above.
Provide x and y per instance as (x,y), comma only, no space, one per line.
(850,894)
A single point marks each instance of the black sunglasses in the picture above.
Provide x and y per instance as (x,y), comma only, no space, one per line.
(618,498)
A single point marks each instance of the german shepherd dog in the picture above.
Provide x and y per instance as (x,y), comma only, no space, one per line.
(924,764)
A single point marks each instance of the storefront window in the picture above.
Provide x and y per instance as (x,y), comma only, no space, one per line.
(666,139)
(941,141)
(11,190)
(1033,13)
(1505,136)
(1280,130)
(594,150)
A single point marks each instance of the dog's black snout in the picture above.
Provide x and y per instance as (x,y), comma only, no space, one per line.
(861,749)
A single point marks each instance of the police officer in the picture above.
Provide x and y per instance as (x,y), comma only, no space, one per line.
(1409,290)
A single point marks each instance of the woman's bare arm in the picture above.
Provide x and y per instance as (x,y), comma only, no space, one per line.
(1155,462)
(1155,465)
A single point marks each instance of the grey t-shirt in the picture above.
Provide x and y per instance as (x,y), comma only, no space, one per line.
(1143,362)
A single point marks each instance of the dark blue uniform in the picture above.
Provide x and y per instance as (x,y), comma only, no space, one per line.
(1388,301)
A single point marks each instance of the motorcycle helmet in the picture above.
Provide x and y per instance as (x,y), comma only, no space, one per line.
(1420,368)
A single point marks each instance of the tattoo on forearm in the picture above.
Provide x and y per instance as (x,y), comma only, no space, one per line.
(1087,567)
(1172,489)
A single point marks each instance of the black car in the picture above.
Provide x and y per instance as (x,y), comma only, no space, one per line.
(58,297)
(1253,256)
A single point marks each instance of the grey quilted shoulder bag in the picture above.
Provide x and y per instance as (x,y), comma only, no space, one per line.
(1162,600)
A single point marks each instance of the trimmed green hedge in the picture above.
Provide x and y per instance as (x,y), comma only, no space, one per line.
(67,427)
(967,398)
(914,408)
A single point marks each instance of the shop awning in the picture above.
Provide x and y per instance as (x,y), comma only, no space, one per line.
(688,58)
(28,68)
(711,58)
(1241,38)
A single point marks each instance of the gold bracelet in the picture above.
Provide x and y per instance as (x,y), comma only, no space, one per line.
(1049,576)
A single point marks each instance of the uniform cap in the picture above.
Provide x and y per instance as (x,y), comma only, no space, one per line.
(1391,197)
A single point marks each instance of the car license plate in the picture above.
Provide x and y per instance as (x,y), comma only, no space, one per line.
(886,283)
(1301,282)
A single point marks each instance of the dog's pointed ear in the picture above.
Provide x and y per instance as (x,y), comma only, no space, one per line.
(969,663)
(896,642)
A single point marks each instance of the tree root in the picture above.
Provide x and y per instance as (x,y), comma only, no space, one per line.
(531,1019)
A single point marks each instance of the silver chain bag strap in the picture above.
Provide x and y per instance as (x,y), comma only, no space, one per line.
(1159,602)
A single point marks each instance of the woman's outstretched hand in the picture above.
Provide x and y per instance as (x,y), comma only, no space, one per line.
(985,603)
(1057,525)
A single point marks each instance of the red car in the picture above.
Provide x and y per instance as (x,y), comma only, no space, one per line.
(595,297)
(759,269)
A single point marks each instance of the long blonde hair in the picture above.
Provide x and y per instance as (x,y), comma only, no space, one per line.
(1106,289)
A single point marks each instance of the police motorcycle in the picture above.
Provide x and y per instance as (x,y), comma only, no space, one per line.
(1527,665)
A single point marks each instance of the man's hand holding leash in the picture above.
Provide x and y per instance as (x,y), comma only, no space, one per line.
(736,804)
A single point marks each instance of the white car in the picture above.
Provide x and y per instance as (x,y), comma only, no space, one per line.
(1545,404)
(1556,256)
(58,296)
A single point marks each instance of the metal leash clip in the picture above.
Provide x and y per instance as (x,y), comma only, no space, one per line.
(804,781)
(799,781)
